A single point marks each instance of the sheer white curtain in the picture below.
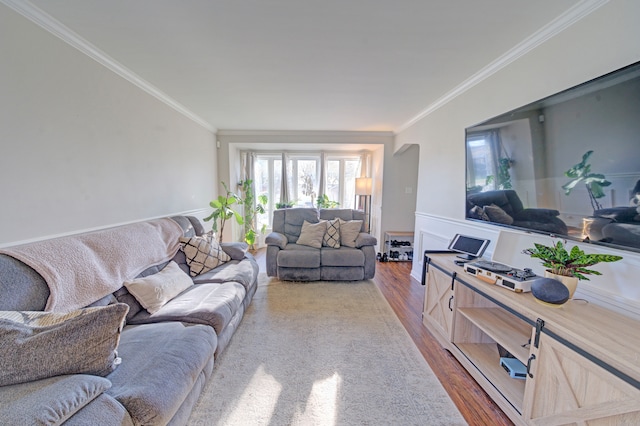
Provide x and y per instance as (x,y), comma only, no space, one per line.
(284,180)
(321,175)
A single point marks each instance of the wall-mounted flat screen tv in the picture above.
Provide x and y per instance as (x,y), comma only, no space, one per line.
(567,165)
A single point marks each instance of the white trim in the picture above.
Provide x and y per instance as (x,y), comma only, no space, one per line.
(559,24)
(439,228)
(199,213)
(50,24)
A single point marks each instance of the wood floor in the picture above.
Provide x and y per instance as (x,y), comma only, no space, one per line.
(405,295)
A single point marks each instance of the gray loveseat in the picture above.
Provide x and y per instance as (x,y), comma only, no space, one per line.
(290,261)
(163,358)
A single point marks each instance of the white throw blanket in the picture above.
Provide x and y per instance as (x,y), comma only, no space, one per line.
(81,269)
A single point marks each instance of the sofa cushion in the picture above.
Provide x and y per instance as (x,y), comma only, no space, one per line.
(296,256)
(209,304)
(37,345)
(202,254)
(104,410)
(21,287)
(331,237)
(154,291)
(49,401)
(349,232)
(292,220)
(161,363)
(345,256)
(245,272)
(312,234)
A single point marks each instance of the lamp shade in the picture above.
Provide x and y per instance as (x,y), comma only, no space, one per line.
(363,186)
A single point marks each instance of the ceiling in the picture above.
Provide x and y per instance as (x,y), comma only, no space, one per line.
(366,65)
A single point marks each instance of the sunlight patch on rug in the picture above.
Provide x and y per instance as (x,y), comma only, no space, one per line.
(326,354)
(261,394)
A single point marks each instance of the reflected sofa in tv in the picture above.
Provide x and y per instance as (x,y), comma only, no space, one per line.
(507,200)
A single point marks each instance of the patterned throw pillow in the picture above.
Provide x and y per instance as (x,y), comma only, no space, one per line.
(202,255)
(154,291)
(332,235)
(37,345)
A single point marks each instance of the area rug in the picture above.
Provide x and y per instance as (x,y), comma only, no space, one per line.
(323,353)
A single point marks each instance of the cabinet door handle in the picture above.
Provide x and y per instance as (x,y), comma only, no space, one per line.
(529,361)
(425,268)
(453,279)
(450,300)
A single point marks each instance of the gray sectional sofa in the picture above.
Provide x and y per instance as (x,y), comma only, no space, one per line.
(291,259)
(151,367)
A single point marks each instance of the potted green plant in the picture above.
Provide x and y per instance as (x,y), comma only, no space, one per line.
(251,208)
(323,202)
(223,211)
(568,266)
(285,205)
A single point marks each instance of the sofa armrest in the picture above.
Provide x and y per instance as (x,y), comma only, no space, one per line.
(276,239)
(235,250)
(365,239)
(618,214)
(62,396)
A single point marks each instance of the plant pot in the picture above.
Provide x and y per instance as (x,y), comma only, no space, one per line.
(570,282)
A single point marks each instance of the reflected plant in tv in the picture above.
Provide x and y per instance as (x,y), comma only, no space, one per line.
(594,182)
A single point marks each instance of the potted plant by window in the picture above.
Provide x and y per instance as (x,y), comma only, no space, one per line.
(568,266)
(222,211)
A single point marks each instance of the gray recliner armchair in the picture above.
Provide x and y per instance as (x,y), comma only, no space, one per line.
(297,262)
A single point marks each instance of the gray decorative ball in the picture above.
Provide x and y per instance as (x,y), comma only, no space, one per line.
(550,291)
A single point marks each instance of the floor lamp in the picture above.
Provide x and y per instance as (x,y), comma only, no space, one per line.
(363,191)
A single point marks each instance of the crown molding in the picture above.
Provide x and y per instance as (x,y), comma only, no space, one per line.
(53,26)
(559,24)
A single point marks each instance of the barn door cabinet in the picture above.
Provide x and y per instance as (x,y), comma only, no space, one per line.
(581,362)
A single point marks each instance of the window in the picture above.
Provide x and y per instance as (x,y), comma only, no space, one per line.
(489,164)
(303,172)
(480,152)
(341,179)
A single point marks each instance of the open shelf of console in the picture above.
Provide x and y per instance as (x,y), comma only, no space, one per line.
(477,335)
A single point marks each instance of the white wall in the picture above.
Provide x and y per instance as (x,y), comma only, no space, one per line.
(603,41)
(82,148)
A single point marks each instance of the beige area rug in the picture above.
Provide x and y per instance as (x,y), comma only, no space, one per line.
(322,354)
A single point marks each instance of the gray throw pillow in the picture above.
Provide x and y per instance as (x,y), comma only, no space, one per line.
(312,233)
(37,345)
(498,215)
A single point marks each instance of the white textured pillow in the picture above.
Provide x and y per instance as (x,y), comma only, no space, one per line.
(349,231)
(312,233)
(332,235)
(154,291)
(202,254)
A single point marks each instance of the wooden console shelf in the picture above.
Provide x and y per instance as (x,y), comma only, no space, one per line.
(501,327)
(582,361)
